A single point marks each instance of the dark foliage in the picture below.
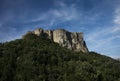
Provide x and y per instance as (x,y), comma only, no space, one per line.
(39,59)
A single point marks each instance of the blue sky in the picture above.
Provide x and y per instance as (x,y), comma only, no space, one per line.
(99,20)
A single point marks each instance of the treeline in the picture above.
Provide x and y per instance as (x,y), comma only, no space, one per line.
(39,59)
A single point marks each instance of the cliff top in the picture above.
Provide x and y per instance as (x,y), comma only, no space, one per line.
(71,40)
(59,29)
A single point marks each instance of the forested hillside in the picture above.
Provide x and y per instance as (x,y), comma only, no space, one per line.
(36,58)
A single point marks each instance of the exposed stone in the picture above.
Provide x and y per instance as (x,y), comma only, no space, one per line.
(38,32)
(49,33)
(71,40)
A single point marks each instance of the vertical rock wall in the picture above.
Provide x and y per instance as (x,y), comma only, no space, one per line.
(71,40)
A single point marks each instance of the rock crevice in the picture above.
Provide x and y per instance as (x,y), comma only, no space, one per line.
(71,40)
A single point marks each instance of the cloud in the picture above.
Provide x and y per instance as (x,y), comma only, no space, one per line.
(63,12)
(116,29)
(7,34)
(10,32)
(106,39)
(118,36)
(116,19)
(117,16)
(59,14)
(88,17)
(103,40)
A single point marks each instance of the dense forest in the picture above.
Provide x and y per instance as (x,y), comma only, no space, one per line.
(36,58)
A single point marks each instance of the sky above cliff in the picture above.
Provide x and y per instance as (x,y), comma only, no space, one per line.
(99,20)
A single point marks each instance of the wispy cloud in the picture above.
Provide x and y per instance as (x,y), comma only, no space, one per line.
(117,16)
(106,39)
(98,20)
(103,40)
(116,29)
(7,34)
(116,20)
(61,13)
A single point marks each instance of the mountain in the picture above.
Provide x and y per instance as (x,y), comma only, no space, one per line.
(71,40)
(37,58)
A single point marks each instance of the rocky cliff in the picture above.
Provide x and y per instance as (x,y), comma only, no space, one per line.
(71,40)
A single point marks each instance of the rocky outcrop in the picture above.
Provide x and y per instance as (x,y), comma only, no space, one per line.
(71,40)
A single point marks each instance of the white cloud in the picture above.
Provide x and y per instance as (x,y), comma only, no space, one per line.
(118,36)
(117,16)
(116,29)
(61,13)
(102,38)
(106,39)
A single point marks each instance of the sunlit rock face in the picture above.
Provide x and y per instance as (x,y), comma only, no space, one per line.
(71,40)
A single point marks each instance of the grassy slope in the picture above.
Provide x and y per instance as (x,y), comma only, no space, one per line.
(39,59)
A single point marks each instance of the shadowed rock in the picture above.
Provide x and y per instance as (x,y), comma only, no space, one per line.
(71,40)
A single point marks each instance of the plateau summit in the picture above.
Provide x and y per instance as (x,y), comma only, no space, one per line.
(71,40)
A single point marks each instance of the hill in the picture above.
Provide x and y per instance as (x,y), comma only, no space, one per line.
(72,40)
(40,59)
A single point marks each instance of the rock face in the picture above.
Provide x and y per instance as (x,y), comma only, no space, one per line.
(71,40)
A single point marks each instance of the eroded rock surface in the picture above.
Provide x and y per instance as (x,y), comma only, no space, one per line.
(71,40)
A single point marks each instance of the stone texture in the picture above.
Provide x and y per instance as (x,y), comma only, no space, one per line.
(49,34)
(71,40)
(38,32)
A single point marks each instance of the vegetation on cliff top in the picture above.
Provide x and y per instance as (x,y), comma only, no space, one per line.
(39,59)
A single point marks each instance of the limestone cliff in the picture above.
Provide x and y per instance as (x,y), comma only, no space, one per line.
(71,40)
